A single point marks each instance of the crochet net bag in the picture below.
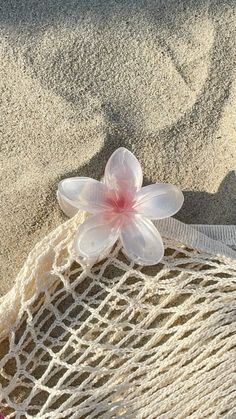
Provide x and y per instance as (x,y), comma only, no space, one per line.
(120,340)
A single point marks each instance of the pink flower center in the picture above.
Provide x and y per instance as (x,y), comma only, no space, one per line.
(120,201)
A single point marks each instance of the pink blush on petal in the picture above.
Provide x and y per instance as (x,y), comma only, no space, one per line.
(120,201)
(120,206)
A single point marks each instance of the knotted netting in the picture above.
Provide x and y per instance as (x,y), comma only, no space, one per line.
(120,340)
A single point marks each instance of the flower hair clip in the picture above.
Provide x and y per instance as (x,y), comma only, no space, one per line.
(121,209)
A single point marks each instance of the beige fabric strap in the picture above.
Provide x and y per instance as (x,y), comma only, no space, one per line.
(214,239)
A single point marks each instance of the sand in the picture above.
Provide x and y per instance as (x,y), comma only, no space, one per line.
(79,79)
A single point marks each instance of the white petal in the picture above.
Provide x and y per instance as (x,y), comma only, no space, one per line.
(142,242)
(123,171)
(69,209)
(82,193)
(95,236)
(159,201)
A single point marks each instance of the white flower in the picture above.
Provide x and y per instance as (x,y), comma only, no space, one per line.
(121,208)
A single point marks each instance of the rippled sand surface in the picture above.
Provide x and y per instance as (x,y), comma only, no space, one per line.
(79,79)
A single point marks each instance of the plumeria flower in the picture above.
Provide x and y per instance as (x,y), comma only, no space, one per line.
(121,209)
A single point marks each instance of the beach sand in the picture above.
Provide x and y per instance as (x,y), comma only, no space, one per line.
(79,79)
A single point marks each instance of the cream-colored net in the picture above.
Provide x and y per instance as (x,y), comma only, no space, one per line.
(120,340)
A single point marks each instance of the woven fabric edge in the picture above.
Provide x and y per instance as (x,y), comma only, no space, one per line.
(210,239)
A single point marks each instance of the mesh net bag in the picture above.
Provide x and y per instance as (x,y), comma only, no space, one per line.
(120,340)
